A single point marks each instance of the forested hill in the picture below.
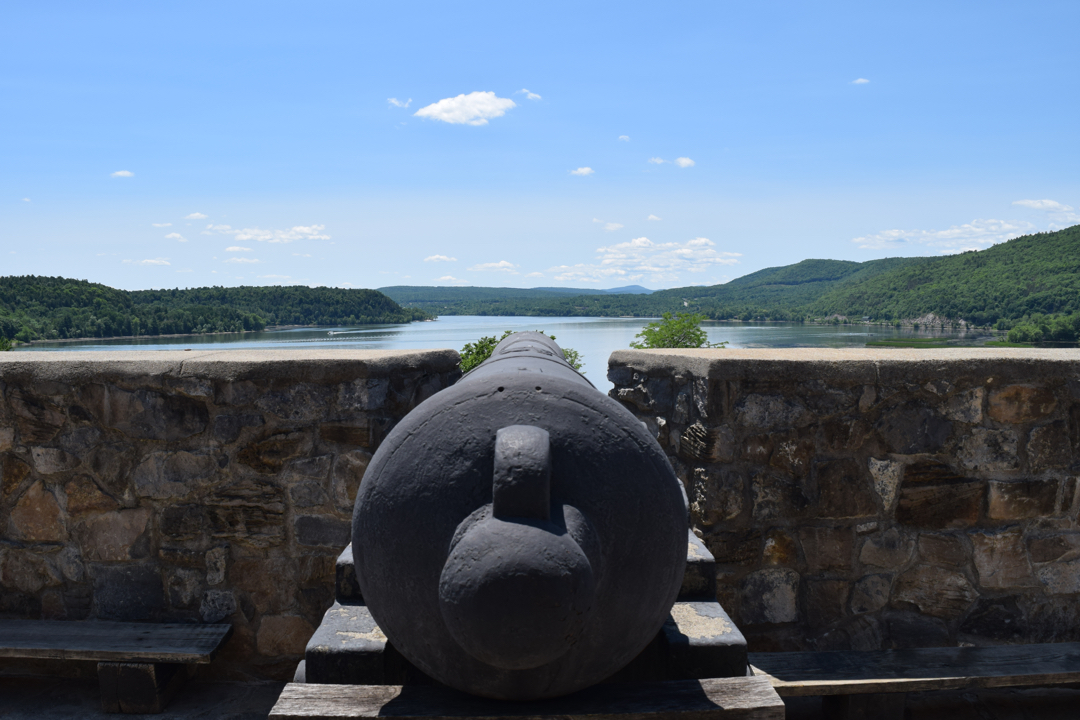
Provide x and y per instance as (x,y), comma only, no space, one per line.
(33,307)
(1034,274)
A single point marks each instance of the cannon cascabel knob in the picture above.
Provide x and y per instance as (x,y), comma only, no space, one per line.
(517,589)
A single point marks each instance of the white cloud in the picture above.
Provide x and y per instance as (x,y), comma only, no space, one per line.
(276,277)
(196,216)
(529,95)
(449,279)
(684,162)
(652,217)
(624,138)
(248,261)
(298,232)
(439,258)
(975,235)
(612,226)
(176,236)
(26,199)
(657,161)
(154,261)
(397,103)
(476,108)
(860,81)
(582,171)
(122,173)
(161,224)
(237,248)
(1049,205)
(501,266)
(641,257)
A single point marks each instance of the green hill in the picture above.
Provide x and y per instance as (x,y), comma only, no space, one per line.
(33,308)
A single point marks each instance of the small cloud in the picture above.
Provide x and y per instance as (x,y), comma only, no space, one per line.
(535,274)
(624,138)
(26,199)
(1050,205)
(501,266)
(237,248)
(476,108)
(122,173)
(449,279)
(397,103)
(176,236)
(298,232)
(529,95)
(975,235)
(439,258)
(612,226)
(860,81)
(248,261)
(583,171)
(195,216)
(641,257)
(652,217)
(684,162)
(154,261)
(161,224)
(657,161)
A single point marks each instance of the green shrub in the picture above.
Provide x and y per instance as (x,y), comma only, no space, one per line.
(475,353)
(681,330)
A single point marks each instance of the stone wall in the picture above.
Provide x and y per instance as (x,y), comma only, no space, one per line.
(193,486)
(870,499)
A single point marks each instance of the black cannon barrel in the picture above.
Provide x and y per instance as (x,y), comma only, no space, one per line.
(520,535)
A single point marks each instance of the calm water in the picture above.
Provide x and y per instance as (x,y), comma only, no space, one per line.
(594,338)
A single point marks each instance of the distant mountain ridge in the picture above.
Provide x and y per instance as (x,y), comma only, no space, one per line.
(1028,275)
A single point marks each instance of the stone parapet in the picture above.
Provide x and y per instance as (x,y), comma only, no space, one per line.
(866,499)
(193,486)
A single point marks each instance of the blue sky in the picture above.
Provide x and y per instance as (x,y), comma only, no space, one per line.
(575,144)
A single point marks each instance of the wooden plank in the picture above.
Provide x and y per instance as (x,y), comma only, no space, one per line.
(745,698)
(919,669)
(111,641)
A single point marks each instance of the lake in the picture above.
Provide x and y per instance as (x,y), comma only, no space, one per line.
(595,338)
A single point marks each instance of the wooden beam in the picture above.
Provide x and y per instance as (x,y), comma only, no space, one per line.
(111,641)
(919,669)
(745,698)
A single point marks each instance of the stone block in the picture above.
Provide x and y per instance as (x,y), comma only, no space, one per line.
(38,419)
(770,597)
(13,471)
(843,490)
(886,475)
(112,464)
(1022,499)
(1054,547)
(364,433)
(780,548)
(988,451)
(1021,403)
(184,586)
(173,474)
(870,594)
(216,564)
(36,517)
(912,630)
(934,591)
(217,605)
(112,536)
(184,524)
(757,449)
(270,582)
(966,407)
(701,641)
(363,394)
(775,496)
(945,550)
(128,592)
(347,471)
(80,440)
(270,455)
(826,601)
(283,635)
(792,456)
(227,428)
(143,413)
(889,549)
(1061,578)
(250,511)
(740,547)
(715,496)
(323,531)
(913,428)
(995,618)
(1000,559)
(307,494)
(7,438)
(772,412)
(1049,447)
(84,496)
(27,572)
(826,548)
(699,444)
(49,461)
(933,497)
(347,648)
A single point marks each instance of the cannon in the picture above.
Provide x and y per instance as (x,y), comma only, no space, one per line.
(520,535)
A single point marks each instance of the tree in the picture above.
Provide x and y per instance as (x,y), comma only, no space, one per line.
(475,353)
(681,330)
(5,344)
